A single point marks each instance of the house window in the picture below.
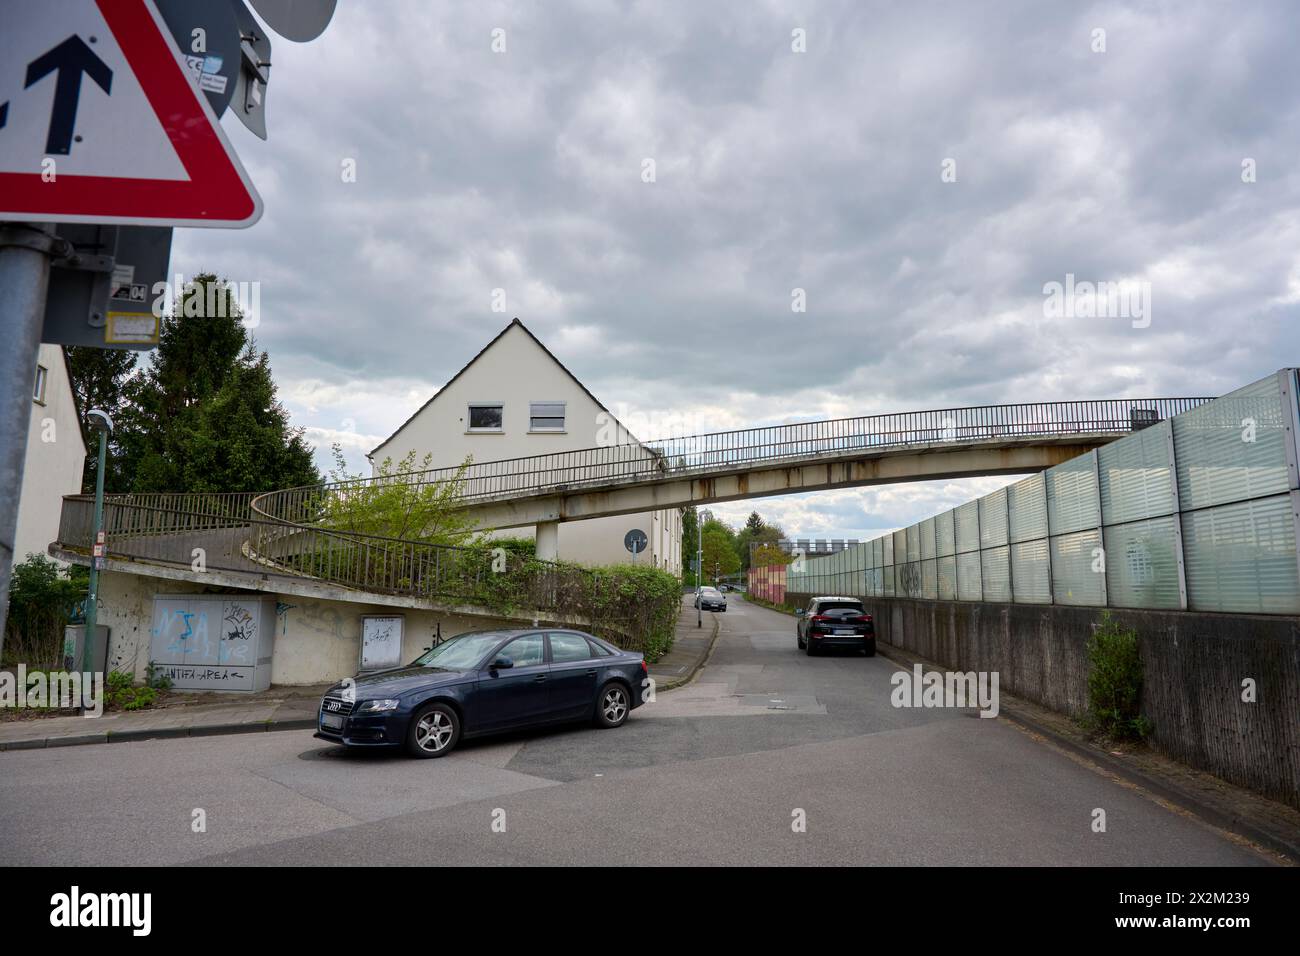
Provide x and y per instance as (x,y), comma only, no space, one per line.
(486,416)
(38,391)
(546,416)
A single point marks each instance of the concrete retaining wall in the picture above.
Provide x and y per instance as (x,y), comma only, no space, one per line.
(315,640)
(1194,666)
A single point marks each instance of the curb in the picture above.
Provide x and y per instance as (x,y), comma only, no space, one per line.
(675,682)
(1183,799)
(160,733)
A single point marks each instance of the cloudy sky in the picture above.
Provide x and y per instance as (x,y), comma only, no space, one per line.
(920,170)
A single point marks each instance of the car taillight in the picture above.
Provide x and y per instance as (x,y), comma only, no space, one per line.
(819,617)
(863,619)
(644,669)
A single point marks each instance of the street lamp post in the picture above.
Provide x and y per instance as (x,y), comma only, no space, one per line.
(699,570)
(104,425)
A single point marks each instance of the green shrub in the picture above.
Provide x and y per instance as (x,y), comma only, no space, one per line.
(154,679)
(144,697)
(43,599)
(634,606)
(120,693)
(1115,682)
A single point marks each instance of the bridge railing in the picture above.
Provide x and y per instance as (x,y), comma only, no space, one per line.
(194,540)
(152,515)
(289,528)
(694,455)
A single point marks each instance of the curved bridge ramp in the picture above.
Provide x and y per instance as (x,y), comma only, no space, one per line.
(287,534)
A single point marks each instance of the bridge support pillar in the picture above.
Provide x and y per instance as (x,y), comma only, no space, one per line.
(548,541)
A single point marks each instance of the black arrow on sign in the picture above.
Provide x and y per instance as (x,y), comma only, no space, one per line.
(71,58)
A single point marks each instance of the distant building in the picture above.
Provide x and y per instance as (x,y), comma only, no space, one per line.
(515,399)
(56,455)
(811,546)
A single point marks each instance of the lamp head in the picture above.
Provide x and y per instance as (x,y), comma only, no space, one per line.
(99,419)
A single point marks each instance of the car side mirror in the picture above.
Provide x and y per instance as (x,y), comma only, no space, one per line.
(798,612)
(501,664)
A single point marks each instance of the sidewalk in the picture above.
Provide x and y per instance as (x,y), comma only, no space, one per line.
(285,708)
(280,708)
(691,647)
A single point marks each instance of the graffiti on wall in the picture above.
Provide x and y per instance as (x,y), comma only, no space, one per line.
(238,635)
(908,581)
(206,641)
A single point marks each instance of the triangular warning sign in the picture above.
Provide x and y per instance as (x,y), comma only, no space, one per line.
(100,121)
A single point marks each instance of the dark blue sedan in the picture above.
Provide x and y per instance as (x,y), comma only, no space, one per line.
(485,682)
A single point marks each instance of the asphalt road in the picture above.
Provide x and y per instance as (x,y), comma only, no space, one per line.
(713,773)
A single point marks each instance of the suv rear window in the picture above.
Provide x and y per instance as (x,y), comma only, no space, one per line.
(839,605)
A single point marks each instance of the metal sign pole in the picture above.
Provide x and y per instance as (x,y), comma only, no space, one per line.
(24,282)
(97,551)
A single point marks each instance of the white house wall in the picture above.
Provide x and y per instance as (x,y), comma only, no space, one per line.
(515,371)
(56,455)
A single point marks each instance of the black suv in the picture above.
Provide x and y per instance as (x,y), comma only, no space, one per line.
(835,622)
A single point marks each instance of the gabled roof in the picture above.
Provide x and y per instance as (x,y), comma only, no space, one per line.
(481,353)
(72,393)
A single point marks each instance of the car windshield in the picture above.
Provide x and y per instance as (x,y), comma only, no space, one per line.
(462,653)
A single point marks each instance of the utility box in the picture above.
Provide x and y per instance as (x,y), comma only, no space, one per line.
(381,641)
(213,641)
(74,649)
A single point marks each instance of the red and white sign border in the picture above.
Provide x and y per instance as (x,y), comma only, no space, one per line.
(218,192)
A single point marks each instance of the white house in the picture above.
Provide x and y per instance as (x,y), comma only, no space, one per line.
(56,454)
(515,399)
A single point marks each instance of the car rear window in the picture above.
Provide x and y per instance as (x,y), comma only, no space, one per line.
(839,606)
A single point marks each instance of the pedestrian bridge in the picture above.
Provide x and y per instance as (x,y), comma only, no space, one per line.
(287,533)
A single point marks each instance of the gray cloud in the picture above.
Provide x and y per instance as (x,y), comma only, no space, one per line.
(775,170)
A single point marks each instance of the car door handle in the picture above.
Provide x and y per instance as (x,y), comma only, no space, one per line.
(591,672)
(539,678)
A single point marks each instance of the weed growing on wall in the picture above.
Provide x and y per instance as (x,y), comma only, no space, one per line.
(1115,682)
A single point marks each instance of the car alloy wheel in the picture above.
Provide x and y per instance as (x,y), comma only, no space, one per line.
(613,705)
(434,732)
